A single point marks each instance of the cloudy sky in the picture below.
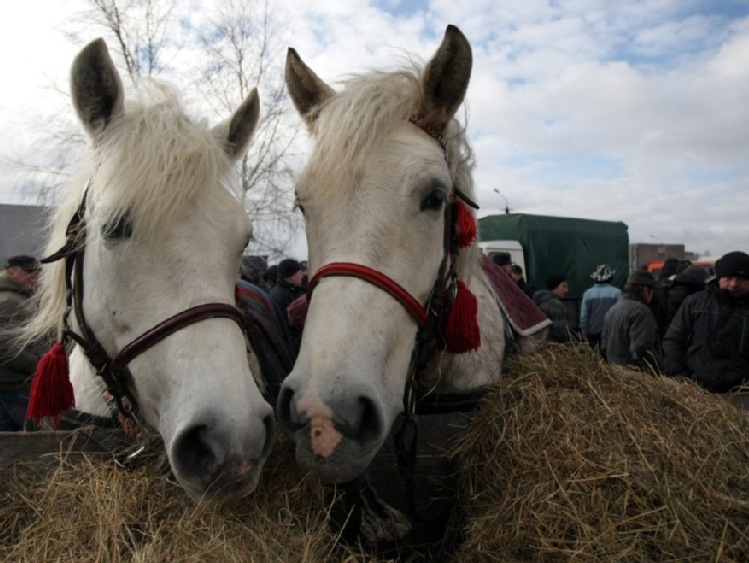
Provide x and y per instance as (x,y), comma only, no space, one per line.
(634,110)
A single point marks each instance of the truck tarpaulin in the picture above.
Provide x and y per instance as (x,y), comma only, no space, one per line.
(563,245)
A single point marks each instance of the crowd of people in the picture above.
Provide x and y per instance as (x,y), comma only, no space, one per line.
(684,323)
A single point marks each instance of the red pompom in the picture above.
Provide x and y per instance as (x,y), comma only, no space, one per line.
(51,390)
(462,333)
(467,228)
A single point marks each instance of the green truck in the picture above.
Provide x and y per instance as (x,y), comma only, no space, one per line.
(544,245)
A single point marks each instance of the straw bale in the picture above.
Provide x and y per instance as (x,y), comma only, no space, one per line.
(87,509)
(572,459)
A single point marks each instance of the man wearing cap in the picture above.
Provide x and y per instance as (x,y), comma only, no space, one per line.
(597,300)
(288,287)
(17,366)
(630,331)
(504,262)
(549,300)
(708,340)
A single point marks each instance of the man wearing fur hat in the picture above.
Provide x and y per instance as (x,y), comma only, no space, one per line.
(708,340)
(17,367)
(630,331)
(597,300)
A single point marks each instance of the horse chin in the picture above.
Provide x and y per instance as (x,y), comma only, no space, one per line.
(232,485)
(346,462)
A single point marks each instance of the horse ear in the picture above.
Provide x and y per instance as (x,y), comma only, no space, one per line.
(445,79)
(307,90)
(237,132)
(96,87)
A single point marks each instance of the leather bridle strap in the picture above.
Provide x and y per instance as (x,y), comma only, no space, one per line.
(376,278)
(172,325)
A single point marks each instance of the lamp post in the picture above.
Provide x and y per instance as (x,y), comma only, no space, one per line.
(662,247)
(507,203)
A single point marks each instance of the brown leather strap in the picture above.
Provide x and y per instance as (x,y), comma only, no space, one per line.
(172,325)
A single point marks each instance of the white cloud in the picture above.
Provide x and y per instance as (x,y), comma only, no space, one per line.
(632,110)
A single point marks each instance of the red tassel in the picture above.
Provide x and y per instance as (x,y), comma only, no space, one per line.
(462,333)
(467,228)
(51,390)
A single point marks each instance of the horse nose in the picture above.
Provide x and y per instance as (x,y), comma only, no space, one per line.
(356,418)
(218,459)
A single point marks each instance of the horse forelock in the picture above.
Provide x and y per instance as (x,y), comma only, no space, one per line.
(154,162)
(354,123)
(149,165)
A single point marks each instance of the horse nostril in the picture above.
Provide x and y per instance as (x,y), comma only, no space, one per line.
(194,452)
(369,424)
(269,431)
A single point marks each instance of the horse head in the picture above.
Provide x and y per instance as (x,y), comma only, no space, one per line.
(162,234)
(387,157)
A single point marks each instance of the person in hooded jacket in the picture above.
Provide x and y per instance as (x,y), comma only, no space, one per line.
(549,300)
(708,340)
(690,281)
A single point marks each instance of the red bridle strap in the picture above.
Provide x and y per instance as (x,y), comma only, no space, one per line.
(378,279)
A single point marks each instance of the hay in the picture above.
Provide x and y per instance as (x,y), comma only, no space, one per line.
(568,459)
(87,509)
(573,459)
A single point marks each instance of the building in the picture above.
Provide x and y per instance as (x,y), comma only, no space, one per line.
(21,230)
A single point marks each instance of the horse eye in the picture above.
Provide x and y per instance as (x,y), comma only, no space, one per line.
(121,229)
(434,201)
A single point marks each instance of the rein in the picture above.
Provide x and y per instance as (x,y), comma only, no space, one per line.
(114,370)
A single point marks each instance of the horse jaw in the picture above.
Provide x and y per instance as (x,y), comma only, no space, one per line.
(88,388)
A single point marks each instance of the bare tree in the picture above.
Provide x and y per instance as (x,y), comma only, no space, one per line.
(224,54)
(244,47)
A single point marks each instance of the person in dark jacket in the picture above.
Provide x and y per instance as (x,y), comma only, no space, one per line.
(288,287)
(17,367)
(690,281)
(549,300)
(708,340)
(630,332)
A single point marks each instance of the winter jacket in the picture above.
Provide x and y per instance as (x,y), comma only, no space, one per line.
(16,366)
(282,294)
(630,334)
(596,301)
(708,340)
(678,293)
(553,308)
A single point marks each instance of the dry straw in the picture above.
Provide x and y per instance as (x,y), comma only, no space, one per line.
(87,509)
(571,459)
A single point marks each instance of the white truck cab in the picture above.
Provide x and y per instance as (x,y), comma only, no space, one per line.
(511,248)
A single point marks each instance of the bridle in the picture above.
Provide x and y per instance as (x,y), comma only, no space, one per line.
(429,341)
(430,317)
(114,371)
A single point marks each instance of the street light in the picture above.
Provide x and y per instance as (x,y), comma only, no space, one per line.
(507,203)
(662,247)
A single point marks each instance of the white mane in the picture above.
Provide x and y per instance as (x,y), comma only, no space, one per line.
(153,162)
(355,121)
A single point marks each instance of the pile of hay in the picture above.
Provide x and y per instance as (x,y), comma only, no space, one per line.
(87,509)
(568,459)
(573,459)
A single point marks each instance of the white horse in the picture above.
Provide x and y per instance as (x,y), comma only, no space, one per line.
(162,236)
(389,161)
